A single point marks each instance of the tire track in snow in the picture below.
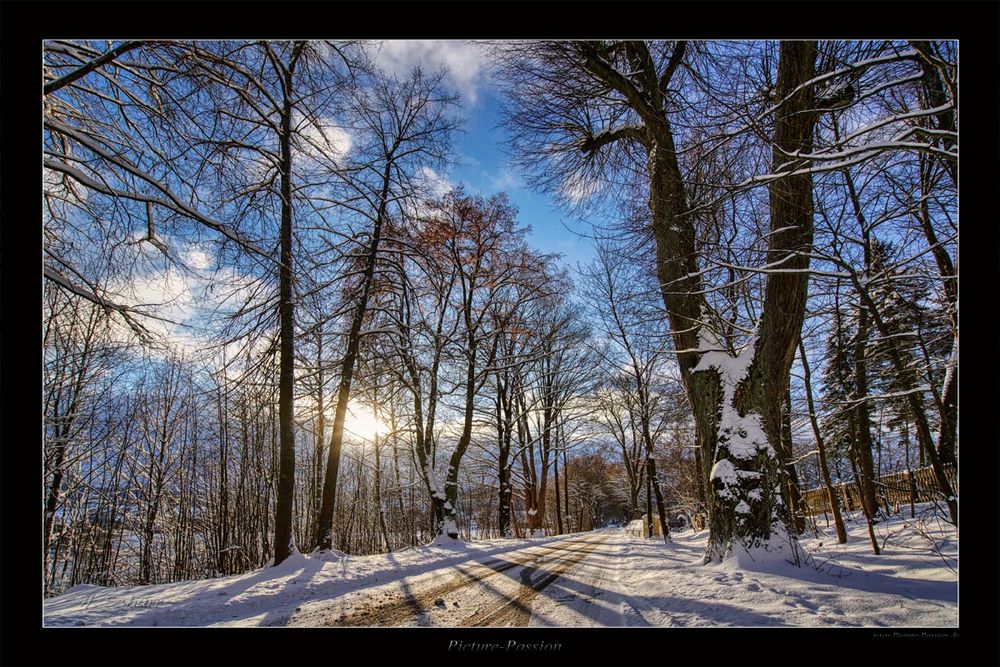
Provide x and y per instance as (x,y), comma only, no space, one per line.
(399,610)
(517,611)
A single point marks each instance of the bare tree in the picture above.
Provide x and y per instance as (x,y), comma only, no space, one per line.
(118,147)
(831,494)
(557,371)
(602,95)
(409,123)
(615,296)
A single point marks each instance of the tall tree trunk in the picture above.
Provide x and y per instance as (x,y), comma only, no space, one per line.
(555,472)
(651,466)
(448,524)
(745,498)
(283,539)
(537,520)
(394,436)
(324,528)
(649,502)
(504,427)
(503,511)
(862,440)
(831,493)
(527,453)
(947,430)
(793,495)
(561,441)
(378,496)
(566,489)
(222,518)
(317,486)
(683,297)
(700,476)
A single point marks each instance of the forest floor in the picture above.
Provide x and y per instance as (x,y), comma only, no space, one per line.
(601,578)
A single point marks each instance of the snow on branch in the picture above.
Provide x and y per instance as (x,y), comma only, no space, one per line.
(105,58)
(172,202)
(592,142)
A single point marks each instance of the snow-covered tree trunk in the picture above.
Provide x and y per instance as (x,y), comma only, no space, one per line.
(737,402)
(745,500)
(748,517)
(448,524)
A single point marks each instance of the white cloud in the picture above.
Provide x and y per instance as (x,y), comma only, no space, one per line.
(464,62)
(506,180)
(317,141)
(431,183)
(197,258)
(322,137)
(166,294)
(578,188)
(187,303)
(168,290)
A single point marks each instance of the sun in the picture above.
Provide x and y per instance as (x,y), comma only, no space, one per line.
(362,423)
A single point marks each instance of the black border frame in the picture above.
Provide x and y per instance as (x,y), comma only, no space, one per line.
(24,24)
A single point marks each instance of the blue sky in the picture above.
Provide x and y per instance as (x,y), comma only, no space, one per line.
(482,166)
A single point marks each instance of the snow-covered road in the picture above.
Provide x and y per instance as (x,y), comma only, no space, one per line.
(604,578)
(498,591)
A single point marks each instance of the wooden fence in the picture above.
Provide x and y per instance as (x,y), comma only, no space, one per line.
(898,489)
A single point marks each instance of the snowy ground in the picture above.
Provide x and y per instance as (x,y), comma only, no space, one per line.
(604,578)
(914,583)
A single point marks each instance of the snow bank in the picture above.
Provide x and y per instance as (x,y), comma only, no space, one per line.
(449,543)
(624,580)
(328,555)
(267,596)
(914,583)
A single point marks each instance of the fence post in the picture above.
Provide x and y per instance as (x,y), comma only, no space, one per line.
(913,492)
